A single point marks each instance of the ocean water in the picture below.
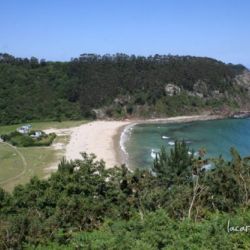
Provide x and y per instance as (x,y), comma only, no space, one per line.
(216,136)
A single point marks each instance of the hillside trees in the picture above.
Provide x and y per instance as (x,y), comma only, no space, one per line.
(39,90)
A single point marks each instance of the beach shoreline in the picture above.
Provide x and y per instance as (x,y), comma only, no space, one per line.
(106,138)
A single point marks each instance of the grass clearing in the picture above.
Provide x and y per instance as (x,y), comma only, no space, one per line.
(11,163)
(42,125)
(38,159)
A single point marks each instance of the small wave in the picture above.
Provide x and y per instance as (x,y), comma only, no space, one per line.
(123,139)
(195,153)
(165,137)
(171,143)
(154,153)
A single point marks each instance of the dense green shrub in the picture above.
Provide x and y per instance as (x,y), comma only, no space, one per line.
(45,140)
(158,231)
(21,140)
(86,206)
(25,140)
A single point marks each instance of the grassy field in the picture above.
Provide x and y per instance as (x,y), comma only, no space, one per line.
(41,126)
(18,165)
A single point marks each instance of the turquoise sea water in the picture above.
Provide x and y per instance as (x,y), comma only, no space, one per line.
(216,136)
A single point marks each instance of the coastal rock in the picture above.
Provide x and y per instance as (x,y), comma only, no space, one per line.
(122,100)
(241,114)
(172,89)
(200,88)
(243,80)
(190,93)
(216,94)
(99,113)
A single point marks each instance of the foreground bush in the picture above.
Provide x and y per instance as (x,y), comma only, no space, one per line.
(86,206)
(23,140)
(158,231)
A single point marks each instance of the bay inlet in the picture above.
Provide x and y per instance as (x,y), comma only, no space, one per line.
(142,141)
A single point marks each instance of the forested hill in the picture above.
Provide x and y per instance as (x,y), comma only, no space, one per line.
(118,86)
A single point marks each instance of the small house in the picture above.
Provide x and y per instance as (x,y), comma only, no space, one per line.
(24,129)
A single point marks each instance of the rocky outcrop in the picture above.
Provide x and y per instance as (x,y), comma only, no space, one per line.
(172,89)
(217,94)
(243,80)
(122,100)
(240,114)
(200,88)
(99,113)
(190,93)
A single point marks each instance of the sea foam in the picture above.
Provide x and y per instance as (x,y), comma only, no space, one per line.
(123,139)
(164,137)
(154,152)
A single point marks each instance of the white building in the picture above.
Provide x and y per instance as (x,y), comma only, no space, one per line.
(24,129)
(37,134)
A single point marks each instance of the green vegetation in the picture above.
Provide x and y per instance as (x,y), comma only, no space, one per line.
(158,231)
(115,86)
(26,140)
(86,206)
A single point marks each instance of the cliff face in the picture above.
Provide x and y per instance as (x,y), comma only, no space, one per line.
(238,85)
(243,80)
(242,86)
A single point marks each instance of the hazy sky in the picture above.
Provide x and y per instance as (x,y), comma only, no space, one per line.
(61,29)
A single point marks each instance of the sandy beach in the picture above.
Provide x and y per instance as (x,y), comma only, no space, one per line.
(98,137)
(103,137)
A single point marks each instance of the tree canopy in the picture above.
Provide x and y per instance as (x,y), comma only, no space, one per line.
(124,85)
